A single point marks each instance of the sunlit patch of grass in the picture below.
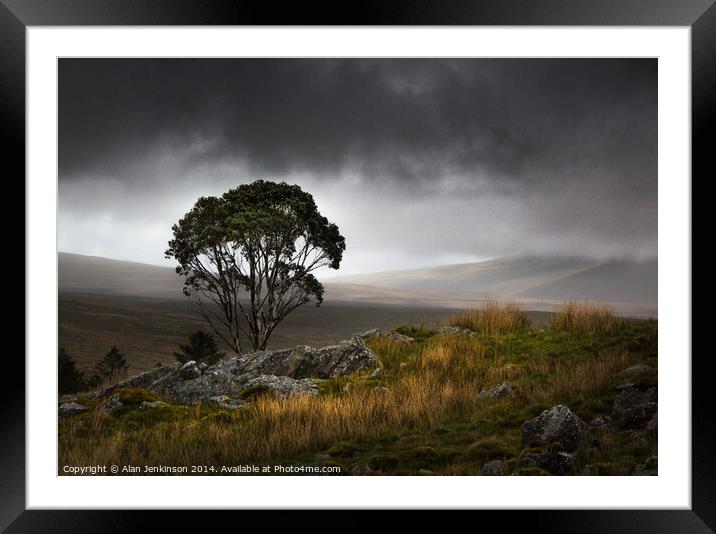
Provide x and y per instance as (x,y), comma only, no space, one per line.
(586,317)
(494,317)
(421,411)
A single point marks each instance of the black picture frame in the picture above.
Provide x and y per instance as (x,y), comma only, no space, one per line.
(699,15)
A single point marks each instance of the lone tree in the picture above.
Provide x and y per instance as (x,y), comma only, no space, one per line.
(201,348)
(248,256)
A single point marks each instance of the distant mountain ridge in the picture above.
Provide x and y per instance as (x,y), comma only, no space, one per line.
(534,279)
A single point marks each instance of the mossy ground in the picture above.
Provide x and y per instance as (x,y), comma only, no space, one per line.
(420,416)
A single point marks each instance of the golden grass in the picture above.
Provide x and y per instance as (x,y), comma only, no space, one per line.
(584,316)
(438,382)
(495,317)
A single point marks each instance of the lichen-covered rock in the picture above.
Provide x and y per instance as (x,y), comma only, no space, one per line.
(67,409)
(557,463)
(558,424)
(638,370)
(283,386)
(204,387)
(148,405)
(227,403)
(454,330)
(501,391)
(493,468)
(303,361)
(634,408)
(649,468)
(112,404)
(142,380)
(378,333)
(288,368)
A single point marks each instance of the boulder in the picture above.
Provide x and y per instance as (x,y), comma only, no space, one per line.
(67,409)
(558,424)
(166,384)
(557,463)
(204,387)
(285,371)
(303,361)
(638,370)
(493,468)
(112,404)
(227,403)
(142,380)
(453,330)
(501,391)
(284,386)
(378,333)
(634,408)
(148,405)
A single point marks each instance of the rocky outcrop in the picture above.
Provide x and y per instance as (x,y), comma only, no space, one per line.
(112,404)
(206,386)
(378,333)
(501,391)
(558,424)
(67,409)
(142,380)
(633,408)
(284,386)
(303,361)
(638,370)
(450,330)
(286,372)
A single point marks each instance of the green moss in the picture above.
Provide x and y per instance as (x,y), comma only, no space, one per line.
(422,454)
(490,448)
(419,333)
(135,395)
(254,392)
(343,449)
(153,416)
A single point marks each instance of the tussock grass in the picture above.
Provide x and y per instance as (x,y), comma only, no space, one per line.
(495,317)
(423,387)
(585,317)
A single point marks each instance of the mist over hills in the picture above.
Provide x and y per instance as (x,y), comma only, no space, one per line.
(535,280)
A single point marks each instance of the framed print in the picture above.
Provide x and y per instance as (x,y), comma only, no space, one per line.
(434,257)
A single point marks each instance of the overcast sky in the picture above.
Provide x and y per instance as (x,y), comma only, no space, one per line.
(419,161)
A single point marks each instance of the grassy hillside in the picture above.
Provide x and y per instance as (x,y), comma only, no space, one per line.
(148,330)
(420,415)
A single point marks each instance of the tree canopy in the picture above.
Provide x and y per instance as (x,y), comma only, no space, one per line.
(248,258)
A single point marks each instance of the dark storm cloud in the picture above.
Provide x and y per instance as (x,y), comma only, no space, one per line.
(573,142)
